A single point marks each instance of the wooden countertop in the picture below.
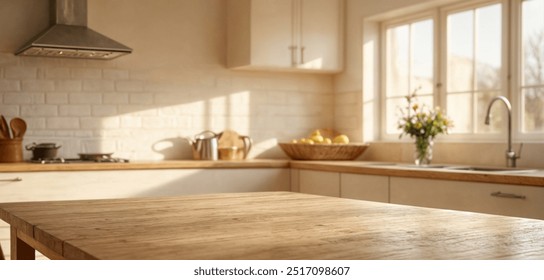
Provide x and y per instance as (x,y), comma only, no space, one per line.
(357,167)
(269,225)
(167,164)
(384,169)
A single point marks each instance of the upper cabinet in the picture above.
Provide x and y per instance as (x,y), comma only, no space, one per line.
(294,35)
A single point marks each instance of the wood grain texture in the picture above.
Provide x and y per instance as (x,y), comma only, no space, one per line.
(170,164)
(270,225)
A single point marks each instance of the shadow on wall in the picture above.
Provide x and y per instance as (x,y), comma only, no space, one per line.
(173,149)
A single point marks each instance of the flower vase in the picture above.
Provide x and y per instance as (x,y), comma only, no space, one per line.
(424,151)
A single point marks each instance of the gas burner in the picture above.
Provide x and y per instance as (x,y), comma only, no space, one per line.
(79,160)
(48,160)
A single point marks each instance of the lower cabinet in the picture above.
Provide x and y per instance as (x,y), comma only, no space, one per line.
(364,187)
(345,185)
(70,185)
(319,182)
(500,199)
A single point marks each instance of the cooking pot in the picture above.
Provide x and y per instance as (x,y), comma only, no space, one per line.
(43,150)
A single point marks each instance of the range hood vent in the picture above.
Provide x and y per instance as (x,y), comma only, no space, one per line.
(70,37)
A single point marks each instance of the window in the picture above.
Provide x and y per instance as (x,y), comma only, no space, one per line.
(532,66)
(463,57)
(409,65)
(474,66)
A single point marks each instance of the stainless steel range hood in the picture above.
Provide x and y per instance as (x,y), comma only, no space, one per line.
(69,36)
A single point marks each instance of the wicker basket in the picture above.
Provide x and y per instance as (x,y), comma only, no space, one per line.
(323,151)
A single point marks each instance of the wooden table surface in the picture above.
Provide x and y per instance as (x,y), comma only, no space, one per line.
(269,225)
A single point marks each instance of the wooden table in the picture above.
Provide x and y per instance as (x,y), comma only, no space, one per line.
(270,225)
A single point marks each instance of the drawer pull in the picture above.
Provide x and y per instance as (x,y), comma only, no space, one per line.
(17,179)
(508,195)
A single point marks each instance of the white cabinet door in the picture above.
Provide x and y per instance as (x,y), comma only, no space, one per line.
(319,182)
(285,35)
(272,33)
(364,187)
(501,199)
(320,34)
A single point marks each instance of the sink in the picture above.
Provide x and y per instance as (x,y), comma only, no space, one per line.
(490,169)
(457,168)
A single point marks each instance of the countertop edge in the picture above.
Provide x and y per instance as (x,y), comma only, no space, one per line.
(452,175)
(354,167)
(139,165)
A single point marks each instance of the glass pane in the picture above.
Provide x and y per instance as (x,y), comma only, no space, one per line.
(533,108)
(488,49)
(397,61)
(459,109)
(533,42)
(393,107)
(460,51)
(422,56)
(499,113)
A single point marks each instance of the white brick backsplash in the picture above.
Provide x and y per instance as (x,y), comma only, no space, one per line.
(9,110)
(62,123)
(115,74)
(138,110)
(86,73)
(57,73)
(100,123)
(104,110)
(75,110)
(115,98)
(19,72)
(20,98)
(38,85)
(131,122)
(131,86)
(39,111)
(85,98)
(56,98)
(10,85)
(141,98)
(68,85)
(98,85)
(35,124)
(69,101)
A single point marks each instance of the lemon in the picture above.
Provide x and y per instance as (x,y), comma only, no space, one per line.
(327,141)
(341,139)
(315,133)
(317,138)
(294,141)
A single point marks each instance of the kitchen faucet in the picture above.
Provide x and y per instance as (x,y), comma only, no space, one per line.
(511,156)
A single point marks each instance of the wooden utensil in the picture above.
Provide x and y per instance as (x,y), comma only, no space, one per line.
(18,128)
(4,129)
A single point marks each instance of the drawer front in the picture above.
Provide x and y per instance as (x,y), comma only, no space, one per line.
(364,187)
(319,182)
(500,199)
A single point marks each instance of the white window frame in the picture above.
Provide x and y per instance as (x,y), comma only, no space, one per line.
(505,90)
(430,14)
(511,74)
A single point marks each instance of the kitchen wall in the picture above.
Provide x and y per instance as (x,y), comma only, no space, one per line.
(174,85)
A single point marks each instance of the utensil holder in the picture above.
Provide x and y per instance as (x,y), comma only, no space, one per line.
(11,150)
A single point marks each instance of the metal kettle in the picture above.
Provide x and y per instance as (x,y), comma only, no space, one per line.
(205,146)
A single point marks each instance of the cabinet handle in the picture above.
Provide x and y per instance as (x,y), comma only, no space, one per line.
(293,50)
(508,195)
(302,55)
(17,179)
